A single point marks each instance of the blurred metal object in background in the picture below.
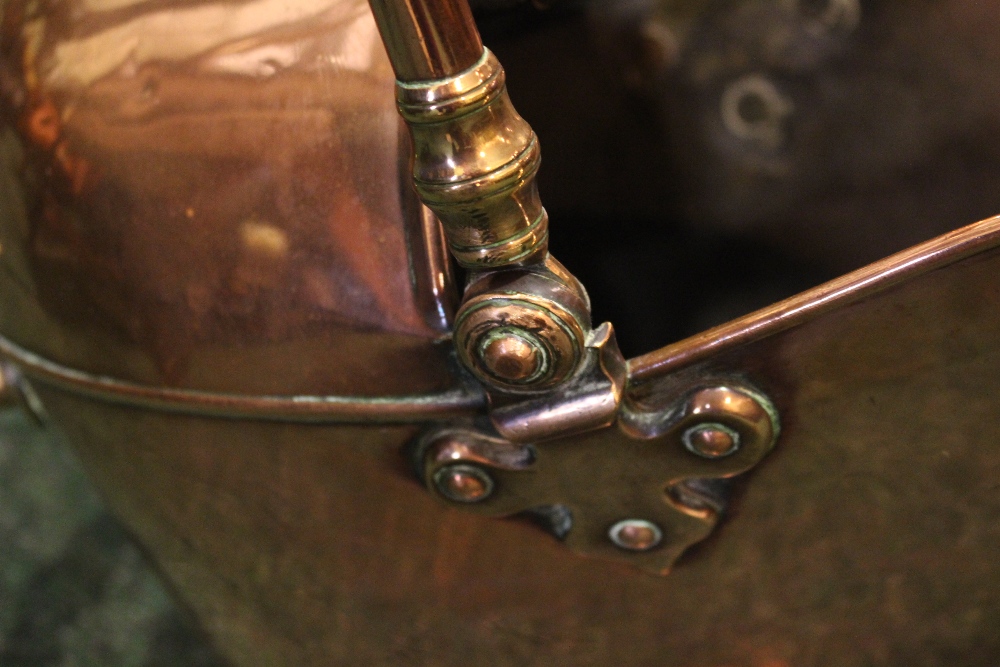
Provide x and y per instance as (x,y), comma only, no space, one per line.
(875,124)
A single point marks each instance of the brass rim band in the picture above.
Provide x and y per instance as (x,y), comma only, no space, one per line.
(413,409)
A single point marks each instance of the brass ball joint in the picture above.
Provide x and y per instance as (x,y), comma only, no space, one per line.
(513,355)
(523,330)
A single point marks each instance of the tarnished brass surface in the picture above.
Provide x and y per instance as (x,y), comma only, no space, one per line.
(867,537)
(512,356)
(535,303)
(590,401)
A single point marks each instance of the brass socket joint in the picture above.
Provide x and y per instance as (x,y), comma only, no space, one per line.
(475,161)
(523,329)
(524,321)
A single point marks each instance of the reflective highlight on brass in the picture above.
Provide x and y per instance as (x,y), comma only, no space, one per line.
(551,338)
(711,440)
(463,483)
(475,161)
(543,306)
(430,39)
(590,400)
(512,355)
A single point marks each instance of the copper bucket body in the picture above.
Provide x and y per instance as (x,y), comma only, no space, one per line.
(221,288)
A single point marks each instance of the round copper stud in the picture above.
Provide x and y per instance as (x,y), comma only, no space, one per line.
(635,535)
(512,356)
(463,483)
(711,441)
(518,344)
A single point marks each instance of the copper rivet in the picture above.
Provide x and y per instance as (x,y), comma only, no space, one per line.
(711,441)
(511,357)
(635,535)
(463,483)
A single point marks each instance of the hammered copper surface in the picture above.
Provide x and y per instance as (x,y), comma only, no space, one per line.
(867,537)
(210,198)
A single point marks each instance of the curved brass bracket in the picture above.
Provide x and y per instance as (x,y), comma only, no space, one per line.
(639,495)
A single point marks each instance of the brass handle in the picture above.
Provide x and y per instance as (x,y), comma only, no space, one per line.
(475,161)
(525,321)
(475,158)
(428,40)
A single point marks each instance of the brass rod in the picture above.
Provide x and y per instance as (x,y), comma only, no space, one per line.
(428,39)
(474,165)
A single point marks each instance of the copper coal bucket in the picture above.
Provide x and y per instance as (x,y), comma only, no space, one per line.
(281,273)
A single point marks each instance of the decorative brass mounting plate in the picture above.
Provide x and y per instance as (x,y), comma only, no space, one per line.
(650,473)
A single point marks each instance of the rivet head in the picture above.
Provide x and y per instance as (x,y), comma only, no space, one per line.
(635,535)
(711,441)
(463,483)
(511,356)
(518,343)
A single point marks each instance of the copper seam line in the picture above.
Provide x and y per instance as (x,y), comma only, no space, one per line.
(838,293)
(458,402)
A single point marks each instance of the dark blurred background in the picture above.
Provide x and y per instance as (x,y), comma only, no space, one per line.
(702,159)
(75,591)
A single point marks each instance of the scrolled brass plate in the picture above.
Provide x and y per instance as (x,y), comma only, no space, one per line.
(625,475)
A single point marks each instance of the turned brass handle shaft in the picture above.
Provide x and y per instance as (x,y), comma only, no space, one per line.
(524,321)
(428,39)
(475,158)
